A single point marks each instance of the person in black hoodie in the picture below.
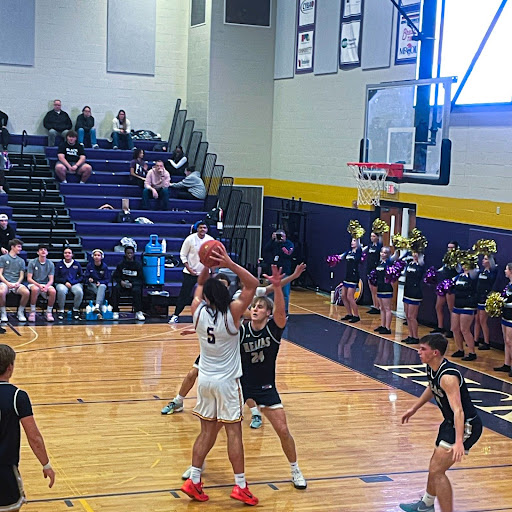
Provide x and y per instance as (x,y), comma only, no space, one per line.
(7,233)
(4,134)
(128,280)
(57,122)
(84,126)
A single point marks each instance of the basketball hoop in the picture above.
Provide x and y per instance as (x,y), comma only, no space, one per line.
(371,180)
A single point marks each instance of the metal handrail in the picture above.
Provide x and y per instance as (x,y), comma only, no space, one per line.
(24,143)
(53,224)
(33,167)
(42,195)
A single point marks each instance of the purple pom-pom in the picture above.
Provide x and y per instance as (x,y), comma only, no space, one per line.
(394,271)
(430,276)
(444,287)
(372,278)
(363,257)
(333,260)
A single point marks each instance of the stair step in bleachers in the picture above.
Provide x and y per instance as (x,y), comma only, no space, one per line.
(88,214)
(102,165)
(95,201)
(63,225)
(108,242)
(111,154)
(179,231)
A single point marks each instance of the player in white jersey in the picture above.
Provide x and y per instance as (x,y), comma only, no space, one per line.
(219,394)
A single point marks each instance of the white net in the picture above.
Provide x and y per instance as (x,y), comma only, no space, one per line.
(371,180)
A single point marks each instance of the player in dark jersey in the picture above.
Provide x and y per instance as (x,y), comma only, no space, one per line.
(460,429)
(15,408)
(351,281)
(506,323)
(484,286)
(260,339)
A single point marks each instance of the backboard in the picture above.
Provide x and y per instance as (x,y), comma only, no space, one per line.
(408,122)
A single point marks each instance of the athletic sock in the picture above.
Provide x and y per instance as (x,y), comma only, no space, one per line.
(255,411)
(32,308)
(195,475)
(428,499)
(49,309)
(240,480)
(179,398)
(294,466)
(21,309)
(3,310)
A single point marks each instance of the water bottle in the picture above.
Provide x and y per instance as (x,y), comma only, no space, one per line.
(164,245)
(220,221)
(104,307)
(70,315)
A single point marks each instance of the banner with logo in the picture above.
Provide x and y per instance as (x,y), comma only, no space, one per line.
(349,44)
(306,13)
(406,46)
(304,62)
(352,8)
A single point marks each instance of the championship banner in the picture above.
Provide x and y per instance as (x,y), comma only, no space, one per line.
(406,47)
(306,12)
(349,44)
(304,62)
(352,8)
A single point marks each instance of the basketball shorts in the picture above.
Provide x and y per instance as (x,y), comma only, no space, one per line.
(472,433)
(12,495)
(196,363)
(264,396)
(219,400)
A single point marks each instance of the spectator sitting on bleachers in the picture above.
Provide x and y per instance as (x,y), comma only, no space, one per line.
(138,168)
(57,122)
(121,136)
(191,187)
(157,186)
(84,126)
(128,279)
(7,233)
(12,272)
(68,278)
(40,276)
(72,159)
(97,277)
(4,134)
(177,164)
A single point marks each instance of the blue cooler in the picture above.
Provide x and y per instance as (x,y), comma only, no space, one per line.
(153,262)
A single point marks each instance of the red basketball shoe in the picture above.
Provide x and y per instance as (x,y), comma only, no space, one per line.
(244,495)
(194,491)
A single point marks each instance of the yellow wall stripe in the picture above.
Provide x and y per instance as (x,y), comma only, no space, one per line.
(466,211)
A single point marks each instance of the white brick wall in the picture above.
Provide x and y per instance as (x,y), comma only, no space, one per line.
(70,64)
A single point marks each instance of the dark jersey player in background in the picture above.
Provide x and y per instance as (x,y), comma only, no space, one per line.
(260,339)
(15,407)
(460,429)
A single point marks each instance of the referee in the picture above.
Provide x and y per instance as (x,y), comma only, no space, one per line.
(15,407)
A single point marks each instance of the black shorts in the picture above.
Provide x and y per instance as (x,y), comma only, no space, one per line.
(266,396)
(11,488)
(446,433)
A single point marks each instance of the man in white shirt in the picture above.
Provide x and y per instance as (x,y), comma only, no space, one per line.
(189,255)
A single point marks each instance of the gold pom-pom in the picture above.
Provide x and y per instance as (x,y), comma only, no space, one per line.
(355,229)
(485,246)
(467,258)
(380,226)
(494,304)
(400,242)
(451,258)
(417,241)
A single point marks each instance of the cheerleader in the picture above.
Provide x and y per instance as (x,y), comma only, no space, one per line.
(484,286)
(465,307)
(384,291)
(351,281)
(413,294)
(506,323)
(446,272)
(372,260)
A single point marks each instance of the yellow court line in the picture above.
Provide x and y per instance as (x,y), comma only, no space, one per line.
(159,446)
(36,335)
(157,461)
(123,482)
(86,505)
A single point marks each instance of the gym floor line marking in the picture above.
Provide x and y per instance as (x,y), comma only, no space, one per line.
(86,505)
(36,336)
(275,482)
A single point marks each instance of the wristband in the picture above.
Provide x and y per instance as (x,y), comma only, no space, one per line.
(47,466)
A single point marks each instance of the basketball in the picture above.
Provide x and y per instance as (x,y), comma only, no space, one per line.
(205,252)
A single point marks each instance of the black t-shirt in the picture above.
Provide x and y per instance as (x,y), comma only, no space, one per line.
(259,351)
(434,381)
(71,153)
(14,405)
(138,167)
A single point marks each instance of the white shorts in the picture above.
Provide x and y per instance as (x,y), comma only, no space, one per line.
(12,290)
(219,401)
(43,294)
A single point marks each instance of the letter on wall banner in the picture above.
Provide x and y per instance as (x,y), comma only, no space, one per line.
(406,47)
(306,12)
(305,52)
(349,44)
(351,8)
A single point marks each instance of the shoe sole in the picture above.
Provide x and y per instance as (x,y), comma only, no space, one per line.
(238,498)
(180,409)
(193,496)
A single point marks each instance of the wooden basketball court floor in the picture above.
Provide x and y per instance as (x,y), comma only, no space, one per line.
(97,392)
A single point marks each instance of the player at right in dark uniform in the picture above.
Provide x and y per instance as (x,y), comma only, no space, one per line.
(460,429)
(260,339)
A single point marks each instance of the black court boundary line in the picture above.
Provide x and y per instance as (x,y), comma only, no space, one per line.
(273,482)
(13,328)
(80,401)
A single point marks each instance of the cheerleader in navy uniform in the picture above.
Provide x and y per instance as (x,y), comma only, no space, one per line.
(384,291)
(351,281)
(372,260)
(506,323)
(484,286)
(445,272)
(465,306)
(413,294)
